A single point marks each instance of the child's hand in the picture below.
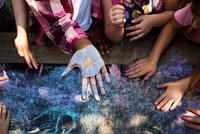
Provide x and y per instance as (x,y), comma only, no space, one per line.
(141,26)
(23,50)
(117,15)
(92,66)
(97,36)
(144,66)
(4,120)
(171,97)
(194,122)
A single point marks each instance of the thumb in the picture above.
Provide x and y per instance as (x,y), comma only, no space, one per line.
(67,70)
(163,85)
(20,51)
(137,20)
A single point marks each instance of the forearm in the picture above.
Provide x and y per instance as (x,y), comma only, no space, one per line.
(113,33)
(20,13)
(161,18)
(167,34)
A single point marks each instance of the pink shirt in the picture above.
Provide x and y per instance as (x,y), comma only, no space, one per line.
(185,18)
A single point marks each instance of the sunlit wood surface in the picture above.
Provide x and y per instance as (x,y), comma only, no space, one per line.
(180,48)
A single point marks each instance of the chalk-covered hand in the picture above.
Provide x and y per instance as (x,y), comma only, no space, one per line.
(91,65)
(192,122)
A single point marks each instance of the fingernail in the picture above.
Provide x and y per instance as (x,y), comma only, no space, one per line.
(97,98)
(103,91)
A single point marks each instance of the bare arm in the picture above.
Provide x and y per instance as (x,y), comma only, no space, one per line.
(164,39)
(21,41)
(162,18)
(113,33)
(20,12)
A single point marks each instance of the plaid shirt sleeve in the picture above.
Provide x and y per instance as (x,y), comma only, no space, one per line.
(57,22)
(97,9)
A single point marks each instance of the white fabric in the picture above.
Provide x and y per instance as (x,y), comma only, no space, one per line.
(82,13)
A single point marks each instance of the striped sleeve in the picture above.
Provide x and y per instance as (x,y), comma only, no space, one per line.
(57,22)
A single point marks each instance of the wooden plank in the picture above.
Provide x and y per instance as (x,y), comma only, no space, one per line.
(180,49)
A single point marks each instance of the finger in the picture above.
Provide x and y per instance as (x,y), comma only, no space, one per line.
(3,116)
(105,73)
(84,88)
(167,105)
(164,85)
(137,37)
(176,102)
(117,7)
(158,101)
(94,89)
(133,71)
(106,46)
(191,119)
(67,70)
(8,117)
(137,20)
(33,61)
(100,82)
(194,111)
(102,49)
(148,75)
(133,68)
(118,21)
(163,102)
(137,74)
(192,126)
(27,59)
(133,28)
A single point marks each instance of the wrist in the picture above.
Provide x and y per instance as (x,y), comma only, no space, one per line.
(21,33)
(153,59)
(184,83)
(81,43)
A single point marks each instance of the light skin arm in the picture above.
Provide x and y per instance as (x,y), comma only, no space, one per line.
(164,39)
(148,66)
(21,40)
(109,27)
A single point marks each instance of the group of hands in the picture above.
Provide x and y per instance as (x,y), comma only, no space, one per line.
(93,67)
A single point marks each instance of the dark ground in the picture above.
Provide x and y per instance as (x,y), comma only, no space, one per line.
(53,104)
